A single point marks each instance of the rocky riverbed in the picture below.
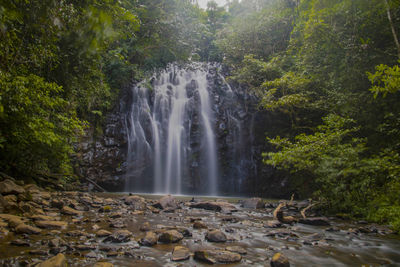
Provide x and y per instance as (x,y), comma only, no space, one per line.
(39,228)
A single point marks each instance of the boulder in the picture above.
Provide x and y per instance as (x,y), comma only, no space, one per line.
(119,236)
(136,202)
(253,203)
(316,221)
(150,239)
(279,260)
(180,253)
(8,187)
(57,261)
(217,256)
(170,236)
(56,203)
(215,206)
(166,202)
(216,236)
(27,229)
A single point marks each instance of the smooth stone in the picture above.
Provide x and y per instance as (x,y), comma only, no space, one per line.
(103,233)
(70,211)
(150,239)
(103,264)
(273,224)
(199,225)
(57,261)
(20,243)
(279,260)
(180,253)
(8,187)
(119,236)
(217,256)
(27,229)
(166,202)
(170,236)
(51,224)
(253,203)
(43,218)
(237,249)
(145,227)
(136,202)
(216,236)
(214,206)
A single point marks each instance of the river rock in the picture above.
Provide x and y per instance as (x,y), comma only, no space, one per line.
(136,202)
(8,187)
(12,220)
(145,227)
(44,218)
(119,236)
(216,236)
(103,233)
(180,253)
(253,203)
(237,249)
(166,202)
(273,224)
(279,260)
(316,221)
(103,264)
(150,239)
(170,236)
(199,225)
(70,211)
(32,188)
(51,224)
(56,203)
(20,243)
(217,256)
(26,229)
(57,261)
(214,206)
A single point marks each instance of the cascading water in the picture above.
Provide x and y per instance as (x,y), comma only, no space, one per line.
(166,122)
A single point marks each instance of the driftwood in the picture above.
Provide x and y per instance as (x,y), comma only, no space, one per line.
(101,189)
(278,215)
(303,211)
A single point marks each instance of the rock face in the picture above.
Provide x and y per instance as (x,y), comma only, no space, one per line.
(238,126)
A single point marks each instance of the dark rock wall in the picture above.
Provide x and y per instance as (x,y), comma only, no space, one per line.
(239,127)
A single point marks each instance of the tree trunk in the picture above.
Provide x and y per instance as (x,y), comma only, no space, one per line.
(396,40)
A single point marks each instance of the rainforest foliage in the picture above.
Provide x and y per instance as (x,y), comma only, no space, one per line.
(328,71)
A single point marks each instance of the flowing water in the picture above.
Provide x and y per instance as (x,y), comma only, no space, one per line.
(167,119)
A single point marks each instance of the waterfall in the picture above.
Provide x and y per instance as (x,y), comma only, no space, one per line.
(170,127)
